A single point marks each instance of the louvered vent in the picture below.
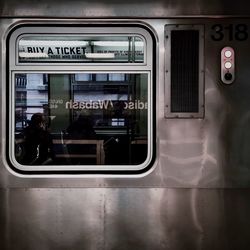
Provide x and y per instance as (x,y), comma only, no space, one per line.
(184,71)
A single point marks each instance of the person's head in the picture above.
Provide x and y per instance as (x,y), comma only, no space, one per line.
(38,120)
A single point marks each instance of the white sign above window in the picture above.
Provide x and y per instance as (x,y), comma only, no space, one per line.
(81,49)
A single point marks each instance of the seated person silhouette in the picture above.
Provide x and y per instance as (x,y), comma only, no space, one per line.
(37,142)
(81,129)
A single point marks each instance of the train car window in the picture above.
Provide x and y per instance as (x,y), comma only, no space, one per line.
(184,95)
(87,49)
(68,119)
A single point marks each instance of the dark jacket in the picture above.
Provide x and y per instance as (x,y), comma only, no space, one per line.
(37,145)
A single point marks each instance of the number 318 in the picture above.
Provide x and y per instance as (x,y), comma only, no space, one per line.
(237,32)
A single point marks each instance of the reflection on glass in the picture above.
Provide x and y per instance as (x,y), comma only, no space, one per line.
(89,119)
(126,49)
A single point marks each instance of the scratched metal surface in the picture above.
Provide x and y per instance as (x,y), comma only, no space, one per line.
(210,152)
(117,8)
(190,200)
(105,219)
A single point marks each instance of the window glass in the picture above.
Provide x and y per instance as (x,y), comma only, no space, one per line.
(81,119)
(87,49)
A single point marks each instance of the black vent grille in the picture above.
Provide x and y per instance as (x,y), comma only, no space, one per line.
(185,71)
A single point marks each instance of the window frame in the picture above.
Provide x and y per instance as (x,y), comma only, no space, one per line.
(147,67)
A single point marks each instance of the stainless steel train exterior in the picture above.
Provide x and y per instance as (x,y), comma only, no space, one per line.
(196,193)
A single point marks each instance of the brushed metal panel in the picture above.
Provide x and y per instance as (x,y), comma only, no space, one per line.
(227,112)
(181,154)
(125,218)
(210,153)
(152,219)
(52,219)
(112,8)
(236,210)
(226,219)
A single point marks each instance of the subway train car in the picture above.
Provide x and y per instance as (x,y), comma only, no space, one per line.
(125,125)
